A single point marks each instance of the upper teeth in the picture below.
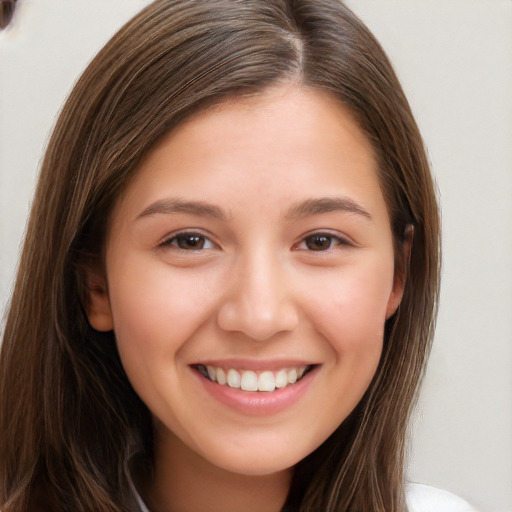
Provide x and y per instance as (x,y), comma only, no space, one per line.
(248,380)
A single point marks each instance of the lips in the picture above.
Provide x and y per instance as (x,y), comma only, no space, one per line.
(250,387)
(255,381)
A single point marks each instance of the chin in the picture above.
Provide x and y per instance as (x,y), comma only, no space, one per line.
(262,459)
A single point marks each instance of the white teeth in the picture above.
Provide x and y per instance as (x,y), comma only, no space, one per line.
(233,379)
(292,376)
(281,379)
(249,380)
(221,376)
(211,372)
(266,382)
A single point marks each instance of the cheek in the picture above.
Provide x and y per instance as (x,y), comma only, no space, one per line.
(351,317)
(155,310)
(353,309)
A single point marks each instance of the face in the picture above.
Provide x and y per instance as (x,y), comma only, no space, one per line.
(249,274)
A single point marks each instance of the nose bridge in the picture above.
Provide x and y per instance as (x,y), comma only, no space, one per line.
(259,301)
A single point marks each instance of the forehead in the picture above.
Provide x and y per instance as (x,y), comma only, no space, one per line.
(306,113)
(292,140)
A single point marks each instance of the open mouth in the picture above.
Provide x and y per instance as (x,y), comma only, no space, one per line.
(248,380)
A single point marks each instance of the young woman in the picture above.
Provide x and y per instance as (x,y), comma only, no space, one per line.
(227,291)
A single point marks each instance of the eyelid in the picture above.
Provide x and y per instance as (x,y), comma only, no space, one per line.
(342,239)
(166,242)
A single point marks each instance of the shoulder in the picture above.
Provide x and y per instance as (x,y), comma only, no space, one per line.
(423,498)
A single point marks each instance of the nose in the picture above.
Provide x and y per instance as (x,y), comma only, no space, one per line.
(258,300)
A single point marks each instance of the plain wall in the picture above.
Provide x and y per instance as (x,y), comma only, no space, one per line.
(454,58)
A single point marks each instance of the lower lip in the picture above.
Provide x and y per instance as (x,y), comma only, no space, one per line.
(259,403)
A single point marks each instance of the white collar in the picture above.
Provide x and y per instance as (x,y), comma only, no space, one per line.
(420,498)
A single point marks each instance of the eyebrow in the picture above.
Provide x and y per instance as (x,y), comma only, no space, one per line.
(306,208)
(171,206)
(321,205)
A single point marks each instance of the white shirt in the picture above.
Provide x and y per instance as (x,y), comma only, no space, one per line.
(423,498)
(420,498)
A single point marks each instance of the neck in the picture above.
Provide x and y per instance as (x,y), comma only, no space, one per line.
(186,482)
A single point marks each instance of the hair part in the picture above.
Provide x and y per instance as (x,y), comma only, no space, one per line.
(69,417)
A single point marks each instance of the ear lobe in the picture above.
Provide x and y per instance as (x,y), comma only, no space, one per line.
(401,271)
(395,296)
(97,305)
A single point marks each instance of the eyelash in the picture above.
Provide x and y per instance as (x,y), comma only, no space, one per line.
(174,241)
(334,240)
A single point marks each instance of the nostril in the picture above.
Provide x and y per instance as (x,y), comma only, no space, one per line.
(259,323)
(258,302)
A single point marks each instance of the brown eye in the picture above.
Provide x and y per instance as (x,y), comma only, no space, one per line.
(319,242)
(189,242)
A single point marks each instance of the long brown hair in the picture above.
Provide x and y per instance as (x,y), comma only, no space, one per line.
(68,415)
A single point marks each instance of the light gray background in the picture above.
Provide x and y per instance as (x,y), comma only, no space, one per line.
(454,58)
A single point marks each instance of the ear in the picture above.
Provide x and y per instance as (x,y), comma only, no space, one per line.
(97,303)
(401,271)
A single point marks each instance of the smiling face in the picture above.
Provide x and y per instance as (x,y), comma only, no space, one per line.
(253,246)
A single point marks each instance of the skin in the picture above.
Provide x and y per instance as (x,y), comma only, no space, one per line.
(258,287)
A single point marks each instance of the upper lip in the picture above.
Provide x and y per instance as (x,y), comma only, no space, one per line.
(254,365)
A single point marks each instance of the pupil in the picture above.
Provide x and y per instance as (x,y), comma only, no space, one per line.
(318,243)
(191,242)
